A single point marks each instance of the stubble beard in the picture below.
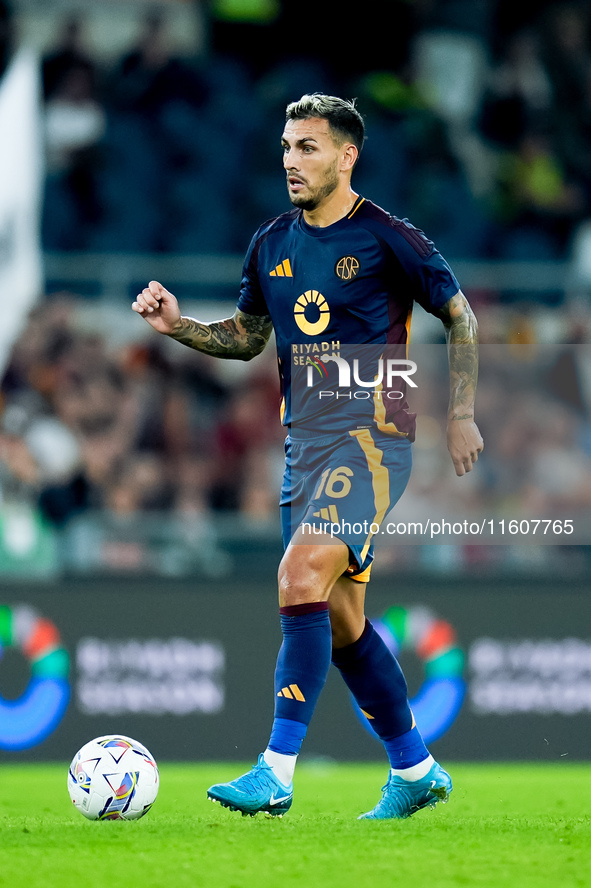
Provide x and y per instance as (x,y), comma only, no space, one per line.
(312,201)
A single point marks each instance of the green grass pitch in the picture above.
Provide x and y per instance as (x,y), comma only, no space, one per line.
(519,825)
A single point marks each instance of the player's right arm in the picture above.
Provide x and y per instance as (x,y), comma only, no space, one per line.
(242,336)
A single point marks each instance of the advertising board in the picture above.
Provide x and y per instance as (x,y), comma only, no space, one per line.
(497,670)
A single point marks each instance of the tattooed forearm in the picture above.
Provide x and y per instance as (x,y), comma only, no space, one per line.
(462,338)
(241,337)
(463,375)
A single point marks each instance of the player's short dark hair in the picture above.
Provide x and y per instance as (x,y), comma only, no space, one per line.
(343,117)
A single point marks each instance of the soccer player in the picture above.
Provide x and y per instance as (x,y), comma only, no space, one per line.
(337,271)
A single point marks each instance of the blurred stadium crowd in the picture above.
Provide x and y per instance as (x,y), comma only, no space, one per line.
(479,124)
(142,427)
(479,130)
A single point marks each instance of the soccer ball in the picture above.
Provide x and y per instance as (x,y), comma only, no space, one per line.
(113,778)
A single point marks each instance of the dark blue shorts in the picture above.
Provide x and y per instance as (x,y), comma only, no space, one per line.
(343,486)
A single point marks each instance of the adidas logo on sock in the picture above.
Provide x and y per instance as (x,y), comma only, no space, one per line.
(292,693)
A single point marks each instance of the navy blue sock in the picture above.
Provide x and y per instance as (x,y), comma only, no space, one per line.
(406,750)
(375,679)
(287,736)
(302,666)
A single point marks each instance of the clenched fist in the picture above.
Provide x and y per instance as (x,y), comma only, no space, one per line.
(464,443)
(158,307)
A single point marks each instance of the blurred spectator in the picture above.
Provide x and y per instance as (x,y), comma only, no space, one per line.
(150,76)
(6,34)
(566,37)
(559,478)
(450,66)
(93,398)
(75,123)
(68,55)
(519,92)
(141,484)
(574,136)
(247,433)
(40,460)
(538,200)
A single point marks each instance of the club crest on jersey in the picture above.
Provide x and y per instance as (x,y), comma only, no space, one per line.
(347,267)
(312,313)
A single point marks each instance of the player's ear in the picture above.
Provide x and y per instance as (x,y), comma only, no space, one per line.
(349,156)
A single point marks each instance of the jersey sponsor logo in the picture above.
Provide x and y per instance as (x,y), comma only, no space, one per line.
(347,268)
(283,270)
(312,313)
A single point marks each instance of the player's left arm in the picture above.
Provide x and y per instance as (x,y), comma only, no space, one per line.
(464,441)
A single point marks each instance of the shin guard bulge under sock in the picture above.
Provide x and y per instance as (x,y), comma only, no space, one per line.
(302,666)
(374,677)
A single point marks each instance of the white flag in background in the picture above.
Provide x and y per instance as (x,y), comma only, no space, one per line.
(21,173)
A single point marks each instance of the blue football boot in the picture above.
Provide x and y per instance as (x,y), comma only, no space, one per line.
(402,798)
(258,790)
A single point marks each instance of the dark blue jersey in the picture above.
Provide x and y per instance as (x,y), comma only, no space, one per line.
(346,289)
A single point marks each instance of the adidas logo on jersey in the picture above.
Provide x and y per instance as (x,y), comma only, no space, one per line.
(282,270)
